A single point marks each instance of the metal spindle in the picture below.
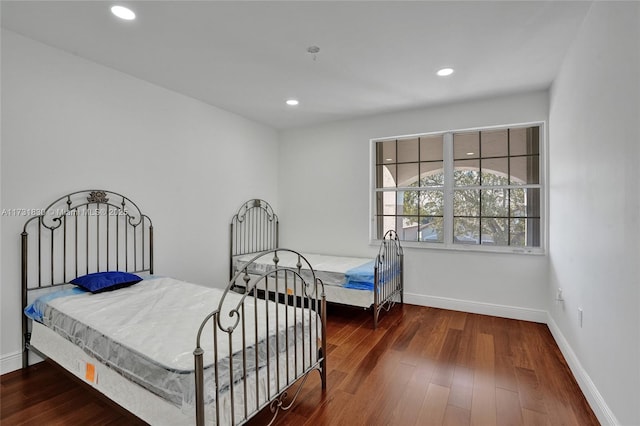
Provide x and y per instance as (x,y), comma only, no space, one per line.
(266,309)
(52,280)
(216,368)
(64,247)
(277,301)
(117,243)
(25,285)
(323,318)
(244,360)
(295,325)
(135,248)
(142,221)
(98,237)
(108,220)
(286,322)
(126,242)
(246,236)
(40,251)
(151,249)
(255,335)
(231,393)
(376,284)
(309,311)
(87,242)
(76,238)
(199,379)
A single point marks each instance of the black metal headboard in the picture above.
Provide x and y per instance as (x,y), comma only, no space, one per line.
(254,228)
(80,233)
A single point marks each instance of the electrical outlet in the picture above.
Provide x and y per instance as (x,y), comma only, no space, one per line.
(580,317)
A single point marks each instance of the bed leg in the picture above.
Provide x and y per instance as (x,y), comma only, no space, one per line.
(323,350)
(401,278)
(199,370)
(323,370)
(25,350)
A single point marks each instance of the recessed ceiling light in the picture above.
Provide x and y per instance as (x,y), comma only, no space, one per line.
(123,13)
(470,153)
(389,159)
(445,72)
(292,102)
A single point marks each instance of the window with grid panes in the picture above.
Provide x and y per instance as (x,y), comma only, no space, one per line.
(461,188)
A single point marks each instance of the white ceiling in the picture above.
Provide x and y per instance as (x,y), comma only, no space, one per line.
(375,57)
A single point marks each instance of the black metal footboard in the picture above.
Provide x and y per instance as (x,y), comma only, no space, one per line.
(388,288)
(268,340)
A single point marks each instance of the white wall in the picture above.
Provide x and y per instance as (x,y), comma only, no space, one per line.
(595,235)
(324,207)
(70,124)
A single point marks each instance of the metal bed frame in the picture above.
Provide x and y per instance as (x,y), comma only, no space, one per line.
(97,230)
(255,227)
(80,233)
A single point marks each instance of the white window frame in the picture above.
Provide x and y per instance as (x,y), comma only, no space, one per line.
(448,243)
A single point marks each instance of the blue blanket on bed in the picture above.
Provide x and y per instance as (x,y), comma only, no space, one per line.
(35,311)
(360,277)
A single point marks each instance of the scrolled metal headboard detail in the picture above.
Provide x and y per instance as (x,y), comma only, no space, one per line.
(79,233)
(97,197)
(254,229)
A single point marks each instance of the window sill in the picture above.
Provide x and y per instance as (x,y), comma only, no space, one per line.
(538,251)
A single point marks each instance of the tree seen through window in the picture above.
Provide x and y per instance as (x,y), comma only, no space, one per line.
(494,193)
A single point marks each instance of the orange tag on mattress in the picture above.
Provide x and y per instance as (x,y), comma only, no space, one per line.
(289,291)
(90,373)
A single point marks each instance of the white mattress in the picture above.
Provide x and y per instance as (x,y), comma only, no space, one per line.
(156,322)
(349,296)
(330,269)
(134,398)
(144,404)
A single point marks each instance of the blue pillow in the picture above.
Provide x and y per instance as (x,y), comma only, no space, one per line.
(105,281)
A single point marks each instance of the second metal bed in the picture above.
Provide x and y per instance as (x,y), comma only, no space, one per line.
(255,228)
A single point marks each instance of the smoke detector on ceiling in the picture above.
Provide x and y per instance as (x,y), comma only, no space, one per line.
(313,50)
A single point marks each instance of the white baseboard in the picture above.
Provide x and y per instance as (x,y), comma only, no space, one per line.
(13,361)
(513,312)
(596,401)
(10,362)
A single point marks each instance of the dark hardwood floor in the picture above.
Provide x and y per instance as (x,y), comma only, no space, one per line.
(422,366)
